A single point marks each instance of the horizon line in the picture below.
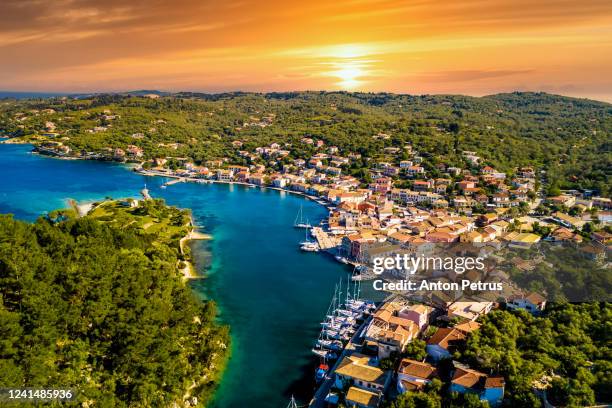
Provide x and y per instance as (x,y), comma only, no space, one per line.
(108,92)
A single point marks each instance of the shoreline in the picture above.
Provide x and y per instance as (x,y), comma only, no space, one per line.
(189,271)
(190,268)
(153,173)
(150,173)
(136,167)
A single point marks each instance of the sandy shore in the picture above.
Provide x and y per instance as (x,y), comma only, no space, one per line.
(189,271)
(195,235)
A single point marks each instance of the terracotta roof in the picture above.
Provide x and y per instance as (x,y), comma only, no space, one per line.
(419,308)
(468,378)
(446,336)
(494,382)
(468,327)
(417,369)
(535,298)
(357,366)
(412,385)
(362,397)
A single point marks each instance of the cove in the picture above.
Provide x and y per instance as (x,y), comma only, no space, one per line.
(271,294)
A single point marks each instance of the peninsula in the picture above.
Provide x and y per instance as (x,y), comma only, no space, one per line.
(97,304)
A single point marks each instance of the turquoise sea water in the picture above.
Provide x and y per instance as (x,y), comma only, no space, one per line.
(271,294)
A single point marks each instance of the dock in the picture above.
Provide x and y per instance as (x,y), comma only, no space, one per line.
(174,181)
(318,400)
(324,240)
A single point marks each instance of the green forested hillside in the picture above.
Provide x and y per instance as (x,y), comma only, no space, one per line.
(568,137)
(100,307)
(566,351)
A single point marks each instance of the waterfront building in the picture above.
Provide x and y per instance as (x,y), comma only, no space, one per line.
(258,179)
(360,371)
(359,398)
(225,175)
(387,332)
(414,375)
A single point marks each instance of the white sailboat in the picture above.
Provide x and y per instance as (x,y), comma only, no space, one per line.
(308,245)
(326,354)
(299,219)
(342,259)
(334,345)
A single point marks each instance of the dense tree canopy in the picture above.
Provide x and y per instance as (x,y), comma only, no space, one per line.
(100,308)
(568,137)
(566,351)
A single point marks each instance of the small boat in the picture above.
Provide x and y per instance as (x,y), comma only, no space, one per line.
(309,246)
(321,372)
(299,220)
(337,335)
(332,325)
(327,354)
(346,313)
(332,334)
(347,322)
(341,259)
(348,331)
(335,345)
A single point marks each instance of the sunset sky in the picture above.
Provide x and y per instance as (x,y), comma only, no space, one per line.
(473,47)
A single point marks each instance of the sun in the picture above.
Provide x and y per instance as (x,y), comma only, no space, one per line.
(349,74)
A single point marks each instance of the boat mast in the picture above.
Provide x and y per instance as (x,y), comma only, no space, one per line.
(348,290)
(298,217)
(292,403)
(340,293)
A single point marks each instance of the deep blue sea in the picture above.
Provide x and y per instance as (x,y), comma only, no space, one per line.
(271,294)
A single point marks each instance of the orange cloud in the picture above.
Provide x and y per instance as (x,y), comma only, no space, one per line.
(470,46)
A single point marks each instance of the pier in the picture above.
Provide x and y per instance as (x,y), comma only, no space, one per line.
(318,400)
(174,181)
(324,240)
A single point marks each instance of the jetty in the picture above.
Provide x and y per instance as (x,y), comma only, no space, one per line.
(318,400)
(174,181)
(324,240)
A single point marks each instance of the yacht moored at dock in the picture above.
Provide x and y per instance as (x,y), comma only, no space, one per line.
(342,319)
(309,246)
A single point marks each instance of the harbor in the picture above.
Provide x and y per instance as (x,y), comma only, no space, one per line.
(268,283)
(341,334)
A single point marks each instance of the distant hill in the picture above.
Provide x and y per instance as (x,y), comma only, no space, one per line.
(30,95)
(567,137)
(146,92)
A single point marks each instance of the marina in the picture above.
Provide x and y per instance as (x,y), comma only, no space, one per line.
(245,288)
(342,326)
